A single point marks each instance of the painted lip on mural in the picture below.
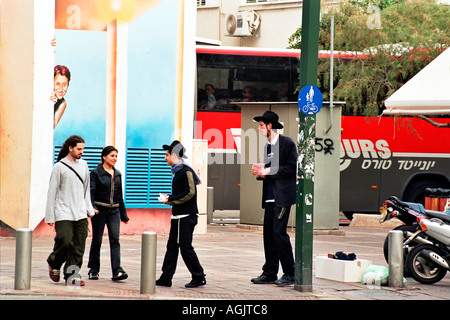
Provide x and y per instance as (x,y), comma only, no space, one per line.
(60,94)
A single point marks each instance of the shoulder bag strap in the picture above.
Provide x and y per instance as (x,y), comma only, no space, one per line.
(73,171)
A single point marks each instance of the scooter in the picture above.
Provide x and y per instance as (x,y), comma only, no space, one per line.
(408,213)
(429,263)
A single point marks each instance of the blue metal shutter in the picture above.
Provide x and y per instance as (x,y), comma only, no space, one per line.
(147,175)
(160,177)
(137,177)
(92,155)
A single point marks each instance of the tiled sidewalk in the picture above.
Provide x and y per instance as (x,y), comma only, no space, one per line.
(231,256)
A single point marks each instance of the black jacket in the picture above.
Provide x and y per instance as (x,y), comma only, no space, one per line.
(283,172)
(106,194)
(184,192)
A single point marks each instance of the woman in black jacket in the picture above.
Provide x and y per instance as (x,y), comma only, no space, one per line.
(107,200)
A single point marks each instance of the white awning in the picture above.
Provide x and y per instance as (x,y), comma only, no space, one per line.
(427,93)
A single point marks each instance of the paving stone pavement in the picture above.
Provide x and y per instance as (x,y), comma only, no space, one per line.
(230,255)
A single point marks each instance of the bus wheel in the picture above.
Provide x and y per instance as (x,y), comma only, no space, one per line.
(415,192)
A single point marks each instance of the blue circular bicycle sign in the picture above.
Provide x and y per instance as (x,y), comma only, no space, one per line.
(310,100)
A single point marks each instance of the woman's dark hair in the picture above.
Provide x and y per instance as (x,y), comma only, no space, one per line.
(71,141)
(107,150)
(62,70)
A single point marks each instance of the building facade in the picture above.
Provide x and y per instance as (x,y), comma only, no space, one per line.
(274,22)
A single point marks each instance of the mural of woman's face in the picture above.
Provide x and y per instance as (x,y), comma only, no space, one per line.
(61,84)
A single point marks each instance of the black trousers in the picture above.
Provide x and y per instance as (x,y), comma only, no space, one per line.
(110,218)
(70,241)
(277,244)
(180,240)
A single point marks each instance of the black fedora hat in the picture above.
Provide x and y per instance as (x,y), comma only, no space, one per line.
(270,117)
(177,148)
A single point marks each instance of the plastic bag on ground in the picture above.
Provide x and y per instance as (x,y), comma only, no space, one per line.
(377,275)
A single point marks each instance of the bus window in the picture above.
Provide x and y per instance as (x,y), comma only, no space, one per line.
(223,79)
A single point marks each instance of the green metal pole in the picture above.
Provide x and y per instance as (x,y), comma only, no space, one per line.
(306,140)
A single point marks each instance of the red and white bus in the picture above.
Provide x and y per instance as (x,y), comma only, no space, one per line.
(380,157)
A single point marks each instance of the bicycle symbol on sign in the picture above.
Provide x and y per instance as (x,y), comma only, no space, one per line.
(310,100)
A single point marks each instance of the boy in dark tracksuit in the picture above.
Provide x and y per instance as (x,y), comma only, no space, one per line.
(184,219)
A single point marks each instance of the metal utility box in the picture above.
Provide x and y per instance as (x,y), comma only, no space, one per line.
(327,146)
(252,149)
(326,167)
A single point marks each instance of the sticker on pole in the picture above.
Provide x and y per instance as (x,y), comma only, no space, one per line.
(310,100)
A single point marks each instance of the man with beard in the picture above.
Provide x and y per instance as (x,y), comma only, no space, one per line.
(68,206)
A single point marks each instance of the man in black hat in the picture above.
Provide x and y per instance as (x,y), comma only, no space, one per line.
(184,218)
(279,194)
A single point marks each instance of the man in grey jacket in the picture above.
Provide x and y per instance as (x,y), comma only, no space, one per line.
(68,206)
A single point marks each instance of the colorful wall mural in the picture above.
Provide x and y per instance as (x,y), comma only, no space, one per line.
(131,68)
(84,53)
(144,78)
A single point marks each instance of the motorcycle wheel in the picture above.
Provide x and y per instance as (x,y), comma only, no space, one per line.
(405,252)
(423,270)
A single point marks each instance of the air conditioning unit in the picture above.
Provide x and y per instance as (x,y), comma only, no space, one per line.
(242,24)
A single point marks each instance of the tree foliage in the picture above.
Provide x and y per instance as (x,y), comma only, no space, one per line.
(392,40)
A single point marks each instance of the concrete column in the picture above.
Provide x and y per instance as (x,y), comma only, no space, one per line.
(200,166)
(26,81)
(111,74)
(121,97)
